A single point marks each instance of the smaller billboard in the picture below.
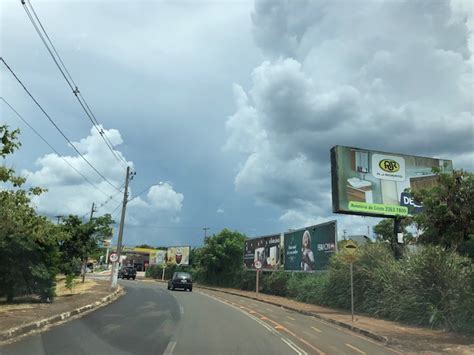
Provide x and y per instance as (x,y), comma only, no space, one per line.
(310,248)
(178,255)
(160,257)
(263,249)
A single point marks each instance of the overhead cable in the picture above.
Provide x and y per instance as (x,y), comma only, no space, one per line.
(41,31)
(57,127)
(52,148)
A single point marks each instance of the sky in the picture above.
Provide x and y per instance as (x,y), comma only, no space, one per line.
(228,109)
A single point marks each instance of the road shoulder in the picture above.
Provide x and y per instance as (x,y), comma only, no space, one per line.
(396,335)
(20,319)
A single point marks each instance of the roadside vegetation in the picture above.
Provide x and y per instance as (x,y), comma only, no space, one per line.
(430,283)
(35,250)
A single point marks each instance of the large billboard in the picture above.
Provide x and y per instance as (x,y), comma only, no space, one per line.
(374,183)
(177,256)
(264,249)
(310,248)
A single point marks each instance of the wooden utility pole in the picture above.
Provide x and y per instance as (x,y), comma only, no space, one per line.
(116,264)
(92,211)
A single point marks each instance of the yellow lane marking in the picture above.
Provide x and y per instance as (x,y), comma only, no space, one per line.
(290,318)
(263,318)
(279,327)
(316,329)
(355,349)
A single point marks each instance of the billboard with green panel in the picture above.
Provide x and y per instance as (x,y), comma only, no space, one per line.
(366,182)
(310,248)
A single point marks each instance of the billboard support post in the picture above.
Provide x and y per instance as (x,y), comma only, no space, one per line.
(257,282)
(352,292)
(397,230)
(163,273)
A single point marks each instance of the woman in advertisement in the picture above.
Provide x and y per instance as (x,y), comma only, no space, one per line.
(307,257)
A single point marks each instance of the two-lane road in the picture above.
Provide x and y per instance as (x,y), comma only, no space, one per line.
(149,319)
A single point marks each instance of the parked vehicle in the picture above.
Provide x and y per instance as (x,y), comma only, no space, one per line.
(181,280)
(127,272)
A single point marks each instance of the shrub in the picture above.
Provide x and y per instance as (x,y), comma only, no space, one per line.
(275,283)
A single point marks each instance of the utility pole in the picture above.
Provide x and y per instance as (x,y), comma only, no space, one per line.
(84,264)
(92,211)
(205,229)
(116,264)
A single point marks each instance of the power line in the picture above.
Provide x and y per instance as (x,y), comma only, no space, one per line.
(67,76)
(52,148)
(56,126)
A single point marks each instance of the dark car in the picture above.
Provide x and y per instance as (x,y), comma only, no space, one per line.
(127,272)
(181,280)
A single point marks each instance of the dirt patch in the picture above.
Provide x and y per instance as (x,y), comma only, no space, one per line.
(28,310)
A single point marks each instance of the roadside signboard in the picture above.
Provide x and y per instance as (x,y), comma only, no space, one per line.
(349,250)
(266,250)
(310,248)
(350,247)
(160,257)
(178,255)
(373,183)
(113,257)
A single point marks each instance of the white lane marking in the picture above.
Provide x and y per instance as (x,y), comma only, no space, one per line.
(316,329)
(181,309)
(269,310)
(293,346)
(355,349)
(291,318)
(287,341)
(169,349)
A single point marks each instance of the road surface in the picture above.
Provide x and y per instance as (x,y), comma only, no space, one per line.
(149,319)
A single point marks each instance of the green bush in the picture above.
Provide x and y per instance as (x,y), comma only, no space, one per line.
(309,288)
(437,289)
(275,283)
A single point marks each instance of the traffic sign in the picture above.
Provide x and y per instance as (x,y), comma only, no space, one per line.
(258,264)
(350,247)
(113,257)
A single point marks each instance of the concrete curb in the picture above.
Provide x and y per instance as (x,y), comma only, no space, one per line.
(349,326)
(16,332)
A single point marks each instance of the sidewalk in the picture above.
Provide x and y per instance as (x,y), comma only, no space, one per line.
(397,335)
(19,318)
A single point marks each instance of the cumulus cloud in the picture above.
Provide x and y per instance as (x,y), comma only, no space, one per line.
(393,76)
(69,193)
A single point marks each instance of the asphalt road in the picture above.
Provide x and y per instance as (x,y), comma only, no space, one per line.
(149,319)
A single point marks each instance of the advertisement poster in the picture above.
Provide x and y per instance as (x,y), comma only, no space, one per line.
(178,255)
(375,183)
(160,257)
(264,249)
(309,249)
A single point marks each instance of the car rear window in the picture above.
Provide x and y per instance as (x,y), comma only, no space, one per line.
(183,275)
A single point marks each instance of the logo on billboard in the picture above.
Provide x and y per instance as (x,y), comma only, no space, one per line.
(387,167)
(407,201)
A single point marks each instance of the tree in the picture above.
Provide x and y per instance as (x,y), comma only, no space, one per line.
(220,260)
(29,243)
(385,232)
(448,212)
(145,246)
(82,240)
